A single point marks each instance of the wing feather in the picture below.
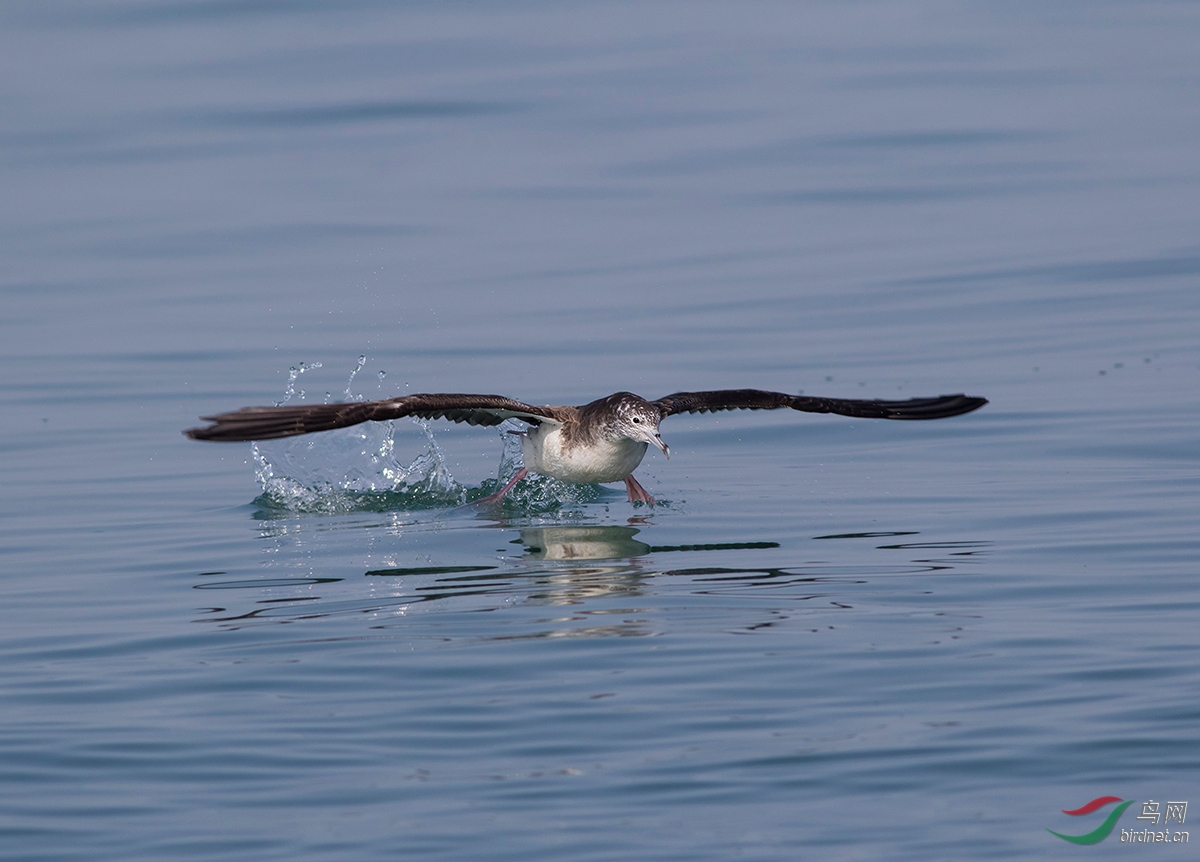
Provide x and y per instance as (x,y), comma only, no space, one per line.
(758,399)
(268,423)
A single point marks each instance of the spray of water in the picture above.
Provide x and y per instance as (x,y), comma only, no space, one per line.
(348,395)
(293,375)
(358,468)
(352,469)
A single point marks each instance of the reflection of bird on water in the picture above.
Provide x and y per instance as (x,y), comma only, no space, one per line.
(603,441)
(601,542)
(607,542)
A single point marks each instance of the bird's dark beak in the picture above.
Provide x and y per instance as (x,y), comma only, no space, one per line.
(662,447)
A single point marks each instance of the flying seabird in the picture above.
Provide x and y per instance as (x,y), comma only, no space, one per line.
(603,441)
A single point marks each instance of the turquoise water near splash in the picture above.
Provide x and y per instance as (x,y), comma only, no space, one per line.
(833,638)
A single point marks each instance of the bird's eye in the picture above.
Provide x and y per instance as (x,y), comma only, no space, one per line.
(637,420)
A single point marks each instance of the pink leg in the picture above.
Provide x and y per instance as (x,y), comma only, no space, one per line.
(637,494)
(492,498)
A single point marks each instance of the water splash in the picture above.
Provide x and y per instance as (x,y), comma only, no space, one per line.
(358,469)
(348,396)
(352,469)
(351,478)
(293,375)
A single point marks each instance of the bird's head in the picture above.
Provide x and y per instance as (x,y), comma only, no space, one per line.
(637,419)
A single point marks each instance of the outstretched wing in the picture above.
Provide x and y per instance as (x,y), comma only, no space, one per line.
(758,399)
(268,423)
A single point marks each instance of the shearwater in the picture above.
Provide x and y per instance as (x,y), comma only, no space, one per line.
(603,441)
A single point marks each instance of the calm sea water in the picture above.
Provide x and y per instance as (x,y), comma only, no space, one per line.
(834,639)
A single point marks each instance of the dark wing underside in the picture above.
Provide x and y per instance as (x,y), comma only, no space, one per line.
(758,399)
(268,423)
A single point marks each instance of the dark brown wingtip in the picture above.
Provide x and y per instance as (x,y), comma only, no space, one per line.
(268,423)
(975,402)
(219,432)
(212,432)
(942,407)
(204,432)
(964,404)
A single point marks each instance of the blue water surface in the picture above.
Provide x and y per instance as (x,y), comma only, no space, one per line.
(832,638)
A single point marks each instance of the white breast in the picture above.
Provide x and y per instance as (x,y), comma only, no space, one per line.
(599,461)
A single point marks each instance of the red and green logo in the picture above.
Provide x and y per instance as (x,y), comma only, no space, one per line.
(1100,832)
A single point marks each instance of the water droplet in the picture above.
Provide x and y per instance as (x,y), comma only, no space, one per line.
(362,360)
